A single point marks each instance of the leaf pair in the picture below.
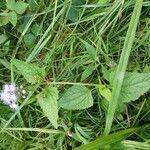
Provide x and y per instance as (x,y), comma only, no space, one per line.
(19,7)
(48,97)
(78,96)
(15,8)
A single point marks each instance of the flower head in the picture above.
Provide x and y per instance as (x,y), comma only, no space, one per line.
(9,88)
(8,95)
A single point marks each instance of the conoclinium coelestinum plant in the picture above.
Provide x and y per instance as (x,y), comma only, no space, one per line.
(61,53)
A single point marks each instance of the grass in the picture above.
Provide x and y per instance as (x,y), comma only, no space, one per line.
(120,72)
(59,48)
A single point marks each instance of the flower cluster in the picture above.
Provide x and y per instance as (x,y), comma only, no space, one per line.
(8,96)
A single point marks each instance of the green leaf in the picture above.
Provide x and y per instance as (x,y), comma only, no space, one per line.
(20,7)
(73,14)
(35,29)
(4,20)
(74,11)
(76,97)
(5,63)
(105,92)
(31,72)
(146,69)
(134,85)
(48,102)
(29,40)
(101,142)
(12,16)
(3,38)
(10,4)
(33,5)
(6,45)
(90,49)
(22,27)
(87,72)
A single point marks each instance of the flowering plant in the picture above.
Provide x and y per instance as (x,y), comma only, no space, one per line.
(10,93)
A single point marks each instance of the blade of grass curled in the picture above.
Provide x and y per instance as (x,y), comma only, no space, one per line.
(120,72)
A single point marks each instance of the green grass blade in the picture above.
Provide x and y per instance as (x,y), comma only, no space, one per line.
(41,130)
(101,142)
(44,39)
(118,79)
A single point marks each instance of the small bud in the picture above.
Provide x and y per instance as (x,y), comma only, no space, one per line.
(69,133)
(23,91)
(21,87)
(24,96)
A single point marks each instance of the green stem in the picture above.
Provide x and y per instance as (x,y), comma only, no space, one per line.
(12,73)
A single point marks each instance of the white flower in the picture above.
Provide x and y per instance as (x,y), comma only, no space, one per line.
(9,88)
(13,106)
(23,91)
(8,95)
(5,97)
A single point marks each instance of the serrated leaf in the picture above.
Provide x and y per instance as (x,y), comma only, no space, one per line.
(76,97)
(20,7)
(12,16)
(3,38)
(87,72)
(31,72)
(10,4)
(134,85)
(90,49)
(48,102)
